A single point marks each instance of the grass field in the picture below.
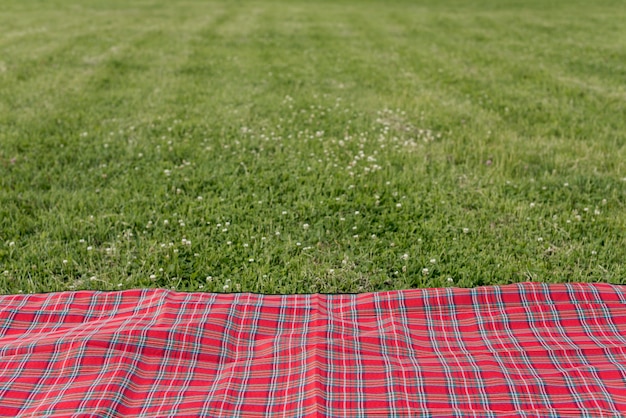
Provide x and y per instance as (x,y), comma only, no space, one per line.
(301,146)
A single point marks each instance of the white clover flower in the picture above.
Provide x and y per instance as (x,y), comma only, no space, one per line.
(152,276)
(251,260)
(89,248)
(305,226)
(64,261)
(166,222)
(433,261)
(425,271)
(11,244)
(532,205)
(405,256)
(450,279)
(398,205)
(465,230)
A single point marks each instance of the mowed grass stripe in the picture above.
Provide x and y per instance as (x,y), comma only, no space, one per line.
(288,146)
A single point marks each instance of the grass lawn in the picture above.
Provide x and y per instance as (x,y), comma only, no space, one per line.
(302,146)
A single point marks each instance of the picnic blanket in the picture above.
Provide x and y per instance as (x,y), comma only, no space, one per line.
(527,349)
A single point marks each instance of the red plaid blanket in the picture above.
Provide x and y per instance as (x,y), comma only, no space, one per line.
(520,350)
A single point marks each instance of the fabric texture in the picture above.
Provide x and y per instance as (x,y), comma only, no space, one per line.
(517,350)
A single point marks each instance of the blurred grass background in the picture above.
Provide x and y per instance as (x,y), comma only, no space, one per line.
(292,146)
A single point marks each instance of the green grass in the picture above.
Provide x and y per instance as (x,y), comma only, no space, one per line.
(298,146)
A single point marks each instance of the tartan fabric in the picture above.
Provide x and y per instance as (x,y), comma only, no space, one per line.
(518,350)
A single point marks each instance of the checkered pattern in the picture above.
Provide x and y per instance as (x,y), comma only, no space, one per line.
(519,350)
